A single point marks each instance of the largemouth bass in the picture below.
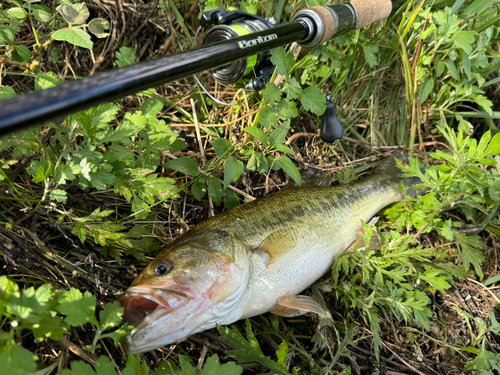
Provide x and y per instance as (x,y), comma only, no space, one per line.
(254,258)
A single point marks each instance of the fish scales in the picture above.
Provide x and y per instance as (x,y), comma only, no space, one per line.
(252,259)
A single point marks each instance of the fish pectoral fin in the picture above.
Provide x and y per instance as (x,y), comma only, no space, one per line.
(289,306)
(277,244)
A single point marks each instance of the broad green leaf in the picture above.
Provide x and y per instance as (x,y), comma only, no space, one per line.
(285,149)
(212,366)
(278,136)
(184,165)
(6,35)
(111,316)
(186,367)
(313,100)
(59,195)
(21,54)
(6,92)
(233,169)
(464,39)
(41,12)
(231,199)
(249,6)
(268,117)
(40,170)
(16,12)
(199,189)
(426,89)
(98,27)
(271,94)
(452,69)
(74,14)
(152,106)
(370,51)
(140,208)
(221,147)
(16,360)
(79,308)
(75,36)
(290,168)
(79,368)
(102,178)
(125,57)
(492,280)
(283,61)
(215,190)
(49,326)
(287,109)
(44,81)
(257,133)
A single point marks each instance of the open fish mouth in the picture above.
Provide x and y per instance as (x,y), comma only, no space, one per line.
(147,302)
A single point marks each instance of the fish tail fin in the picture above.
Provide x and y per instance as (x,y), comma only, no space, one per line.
(389,170)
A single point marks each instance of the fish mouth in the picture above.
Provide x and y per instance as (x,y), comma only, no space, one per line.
(151,303)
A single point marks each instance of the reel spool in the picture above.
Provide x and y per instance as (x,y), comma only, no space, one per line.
(230,25)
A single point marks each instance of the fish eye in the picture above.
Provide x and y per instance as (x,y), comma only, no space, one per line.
(163,268)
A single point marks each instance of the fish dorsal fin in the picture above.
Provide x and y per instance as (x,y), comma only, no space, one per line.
(277,244)
(311,178)
(289,306)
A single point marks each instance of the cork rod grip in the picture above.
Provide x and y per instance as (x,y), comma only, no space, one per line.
(370,11)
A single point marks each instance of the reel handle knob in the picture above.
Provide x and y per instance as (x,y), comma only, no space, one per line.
(331,129)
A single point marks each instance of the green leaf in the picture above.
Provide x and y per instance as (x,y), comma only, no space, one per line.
(49,326)
(79,368)
(466,65)
(233,169)
(79,308)
(248,350)
(184,165)
(186,367)
(98,27)
(271,93)
(21,54)
(44,81)
(41,12)
(231,200)
(282,353)
(40,170)
(492,280)
(102,178)
(426,89)
(370,51)
(6,92)
(212,366)
(58,195)
(215,190)
(287,109)
(249,6)
(452,69)
(221,146)
(6,35)
(16,12)
(16,360)
(268,117)
(290,168)
(152,106)
(482,361)
(257,133)
(75,36)
(464,39)
(111,316)
(283,61)
(125,57)
(278,136)
(74,14)
(285,149)
(199,189)
(313,100)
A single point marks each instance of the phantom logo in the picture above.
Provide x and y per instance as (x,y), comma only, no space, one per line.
(259,40)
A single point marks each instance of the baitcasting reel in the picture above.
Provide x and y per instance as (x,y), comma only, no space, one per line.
(230,25)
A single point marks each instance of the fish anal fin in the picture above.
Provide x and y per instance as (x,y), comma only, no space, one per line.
(289,306)
(276,245)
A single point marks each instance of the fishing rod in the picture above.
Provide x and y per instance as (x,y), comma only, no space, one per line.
(232,47)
